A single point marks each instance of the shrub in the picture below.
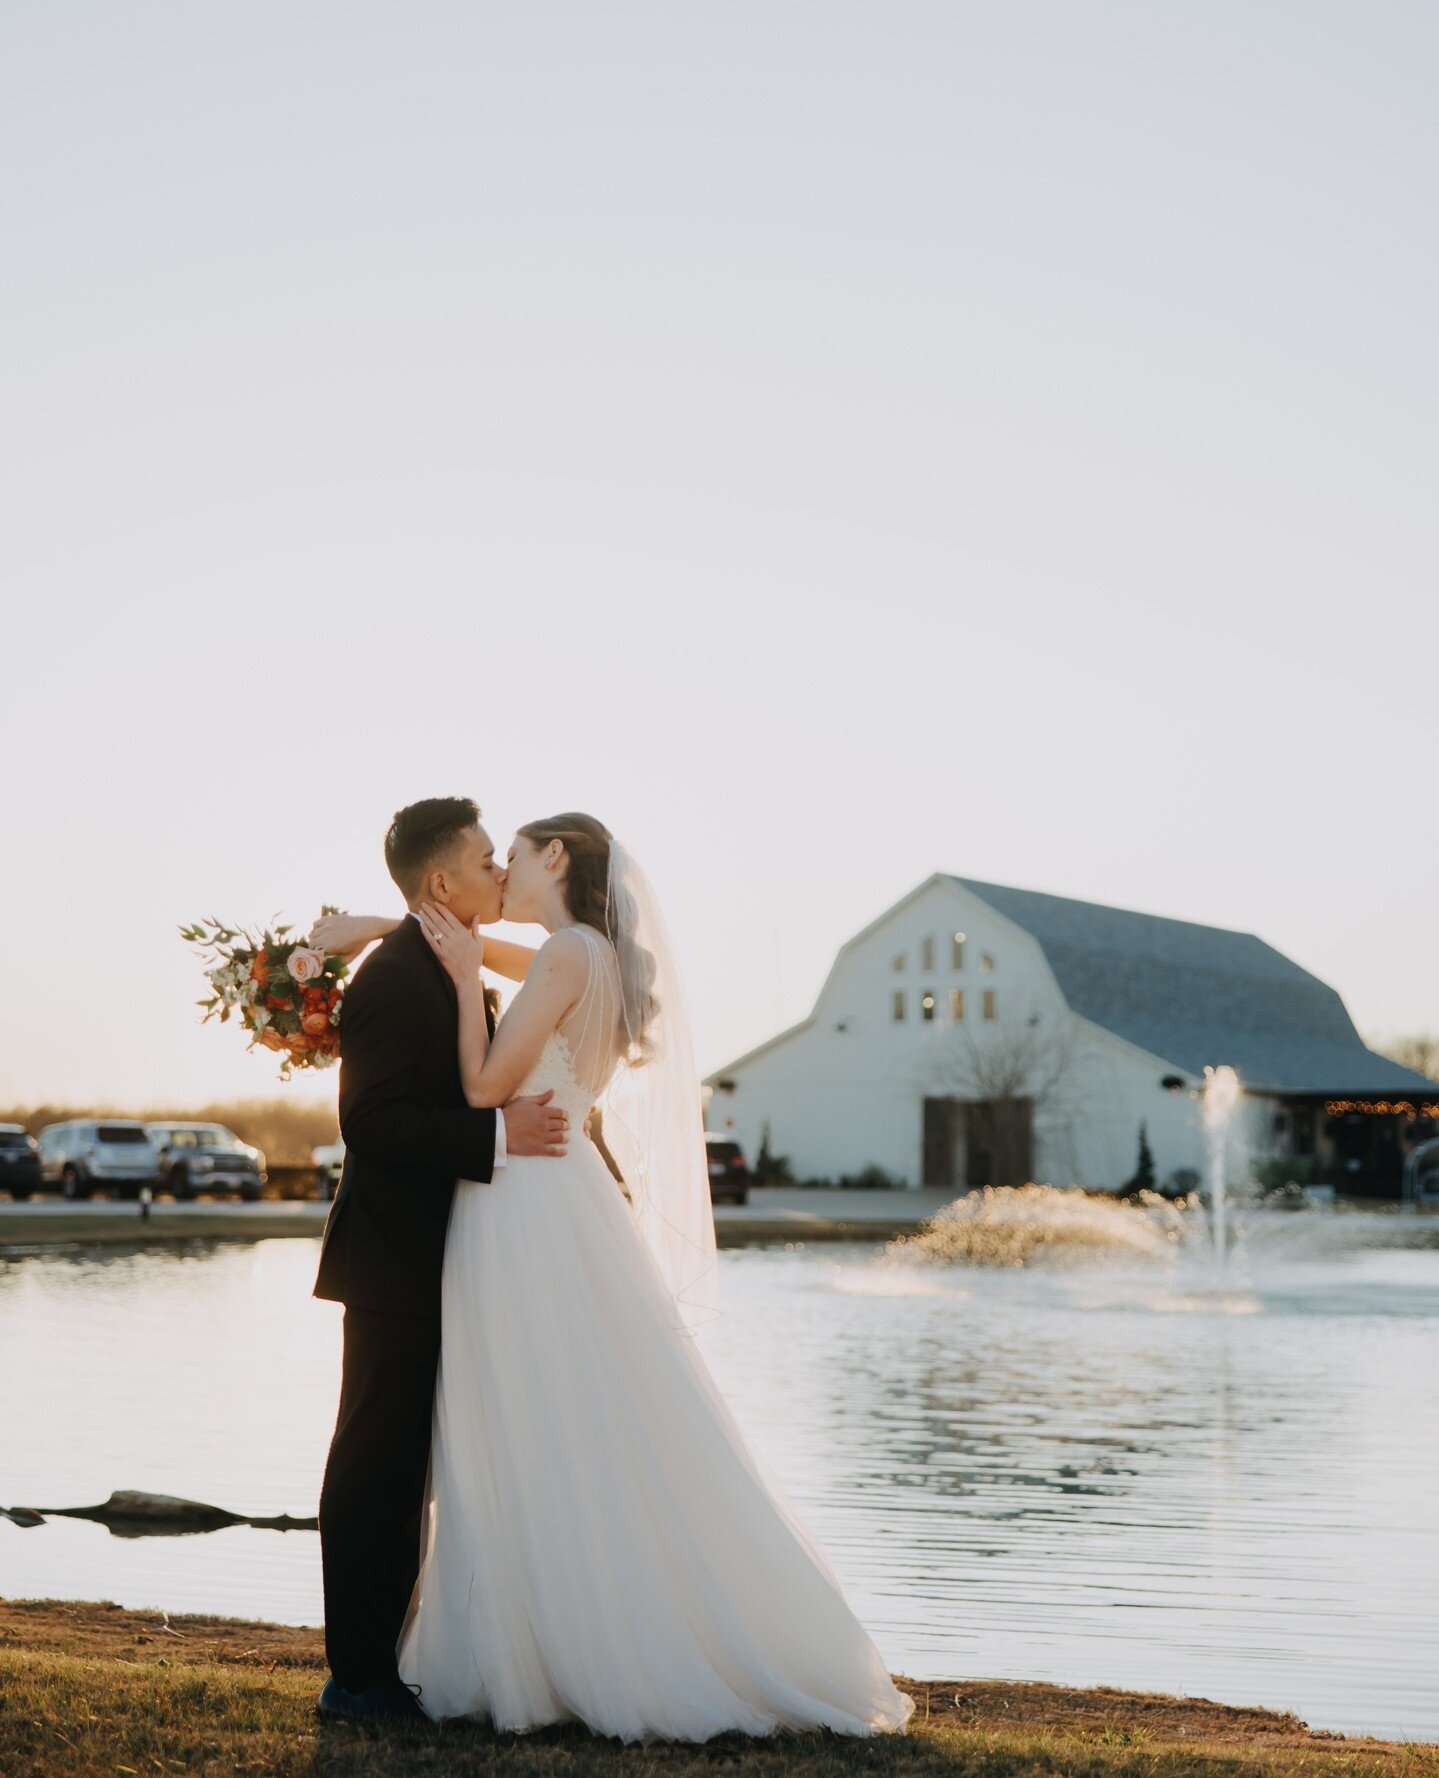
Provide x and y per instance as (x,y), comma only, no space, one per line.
(1278,1175)
(1143,1180)
(771,1168)
(872,1178)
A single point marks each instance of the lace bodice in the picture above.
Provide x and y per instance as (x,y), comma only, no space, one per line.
(554,1070)
(580,1055)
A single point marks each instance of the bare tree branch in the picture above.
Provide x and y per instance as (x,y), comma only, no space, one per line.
(1017,1079)
(1419,1052)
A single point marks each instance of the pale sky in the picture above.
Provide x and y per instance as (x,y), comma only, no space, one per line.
(830,443)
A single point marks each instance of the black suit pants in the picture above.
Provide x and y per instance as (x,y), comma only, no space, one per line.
(374,1489)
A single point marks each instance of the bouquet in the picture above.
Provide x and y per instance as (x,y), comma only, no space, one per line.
(286,995)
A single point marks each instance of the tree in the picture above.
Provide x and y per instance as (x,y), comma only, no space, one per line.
(1419,1052)
(771,1168)
(1143,1180)
(1011,1077)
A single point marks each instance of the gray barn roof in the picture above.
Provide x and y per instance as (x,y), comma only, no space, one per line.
(1197,995)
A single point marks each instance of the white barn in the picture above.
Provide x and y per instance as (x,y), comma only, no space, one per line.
(976,1034)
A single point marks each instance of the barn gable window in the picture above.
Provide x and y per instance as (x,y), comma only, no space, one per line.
(956,951)
(897,963)
(956,1006)
(897,1007)
(926,1006)
(989,1007)
(986,963)
(926,953)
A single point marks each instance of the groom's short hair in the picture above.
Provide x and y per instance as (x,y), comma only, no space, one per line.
(422,835)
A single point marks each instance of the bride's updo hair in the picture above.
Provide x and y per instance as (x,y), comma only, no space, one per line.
(587,897)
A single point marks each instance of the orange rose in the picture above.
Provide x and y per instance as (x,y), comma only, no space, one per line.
(316,1023)
(276,1002)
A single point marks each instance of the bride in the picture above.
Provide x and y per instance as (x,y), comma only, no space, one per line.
(599,1542)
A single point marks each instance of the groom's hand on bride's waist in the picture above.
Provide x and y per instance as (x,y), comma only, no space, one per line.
(534,1126)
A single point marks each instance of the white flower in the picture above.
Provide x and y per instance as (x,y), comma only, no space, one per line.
(259,1018)
(304,965)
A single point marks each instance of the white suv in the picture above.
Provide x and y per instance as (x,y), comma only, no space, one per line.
(329,1164)
(206,1158)
(113,1154)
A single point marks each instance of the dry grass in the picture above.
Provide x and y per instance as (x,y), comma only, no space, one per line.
(89,1689)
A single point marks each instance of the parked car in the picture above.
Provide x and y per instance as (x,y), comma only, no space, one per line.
(207,1158)
(114,1154)
(729,1176)
(19,1162)
(329,1161)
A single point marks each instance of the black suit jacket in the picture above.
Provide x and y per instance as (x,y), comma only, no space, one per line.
(409,1135)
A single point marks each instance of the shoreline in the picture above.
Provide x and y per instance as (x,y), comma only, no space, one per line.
(774,1216)
(768,1219)
(92,1687)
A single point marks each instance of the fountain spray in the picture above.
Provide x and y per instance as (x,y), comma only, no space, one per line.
(1222,1093)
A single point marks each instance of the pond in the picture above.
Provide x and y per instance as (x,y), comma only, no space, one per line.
(1111,1473)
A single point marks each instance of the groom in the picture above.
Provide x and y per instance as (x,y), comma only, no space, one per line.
(409,1135)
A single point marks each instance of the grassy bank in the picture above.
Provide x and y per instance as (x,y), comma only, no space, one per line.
(88,1689)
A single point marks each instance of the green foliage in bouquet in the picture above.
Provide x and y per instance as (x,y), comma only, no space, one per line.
(286,995)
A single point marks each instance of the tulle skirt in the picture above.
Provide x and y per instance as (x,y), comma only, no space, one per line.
(600,1545)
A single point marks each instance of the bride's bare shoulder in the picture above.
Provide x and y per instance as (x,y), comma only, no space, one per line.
(564,954)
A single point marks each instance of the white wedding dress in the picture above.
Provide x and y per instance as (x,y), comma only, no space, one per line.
(599,1543)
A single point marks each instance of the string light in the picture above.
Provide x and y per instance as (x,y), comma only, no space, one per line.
(1382,1107)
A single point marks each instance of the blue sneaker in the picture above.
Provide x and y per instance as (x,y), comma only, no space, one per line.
(334,1703)
(391,1700)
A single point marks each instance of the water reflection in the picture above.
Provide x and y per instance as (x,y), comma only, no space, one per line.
(1101,1474)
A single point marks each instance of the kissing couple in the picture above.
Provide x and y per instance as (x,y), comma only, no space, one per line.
(537,1506)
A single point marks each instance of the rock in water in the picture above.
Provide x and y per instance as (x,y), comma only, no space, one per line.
(134,1505)
(130,1512)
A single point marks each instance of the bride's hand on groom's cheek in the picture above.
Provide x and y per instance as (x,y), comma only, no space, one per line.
(456,945)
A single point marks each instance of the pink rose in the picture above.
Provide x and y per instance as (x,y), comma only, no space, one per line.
(304,965)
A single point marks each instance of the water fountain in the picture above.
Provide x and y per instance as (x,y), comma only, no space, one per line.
(1222,1099)
(1027,1225)
(1019,1225)
(1024,1225)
